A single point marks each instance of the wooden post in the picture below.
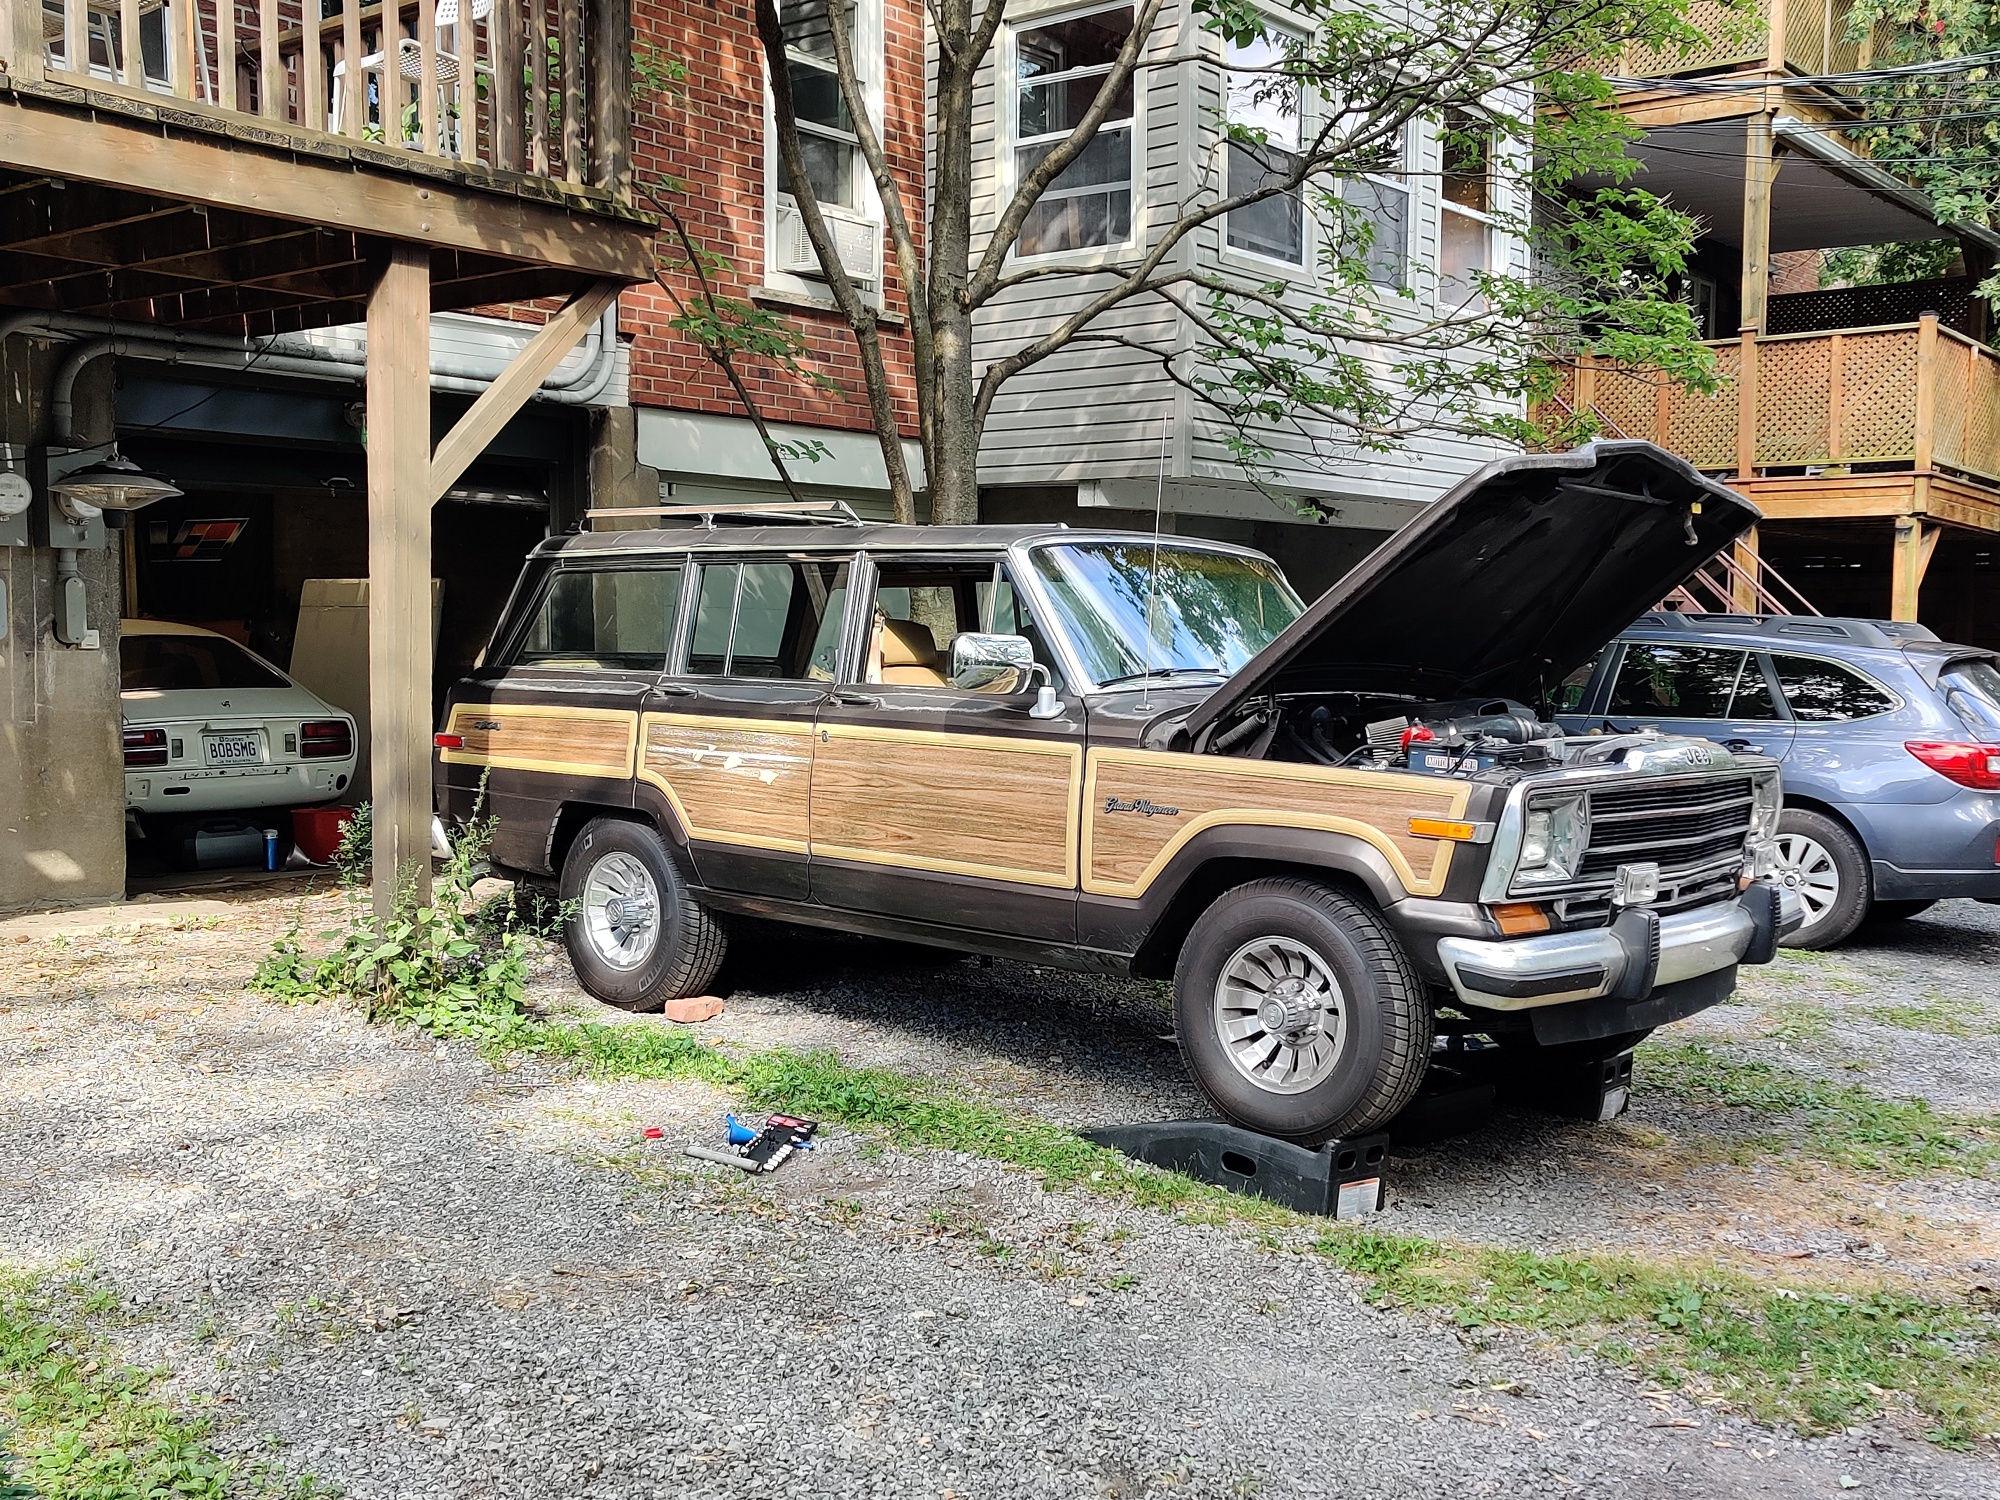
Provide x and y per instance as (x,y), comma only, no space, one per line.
(312,67)
(225,54)
(271,65)
(131,56)
(1836,398)
(427,76)
(570,15)
(611,97)
(505,30)
(1926,413)
(1746,407)
(1775,38)
(76,38)
(399,572)
(1916,540)
(354,82)
(1586,385)
(184,22)
(1760,170)
(1743,586)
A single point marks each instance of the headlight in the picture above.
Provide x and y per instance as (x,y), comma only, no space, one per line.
(1552,841)
(1767,800)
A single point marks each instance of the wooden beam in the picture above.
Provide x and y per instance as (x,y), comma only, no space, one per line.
(523,376)
(1916,540)
(141,156)
(1760,171)
(399,577)
(1743,586)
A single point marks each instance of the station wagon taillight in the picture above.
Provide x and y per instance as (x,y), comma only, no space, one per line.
(1976,766)
(326,739)
(145,747)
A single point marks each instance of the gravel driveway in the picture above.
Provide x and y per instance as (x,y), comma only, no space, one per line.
(389,1265)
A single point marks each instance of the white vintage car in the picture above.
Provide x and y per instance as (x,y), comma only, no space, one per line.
(212,727)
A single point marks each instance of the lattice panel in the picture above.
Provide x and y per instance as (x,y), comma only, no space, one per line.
(1968,409)
(1702,429)
(1878,409)
(1792,402)
(1625,402)
(1873,306)
(1725,46)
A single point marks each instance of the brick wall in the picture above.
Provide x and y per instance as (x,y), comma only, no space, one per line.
(707,133)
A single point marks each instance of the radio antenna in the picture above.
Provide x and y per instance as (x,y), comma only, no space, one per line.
(1153,577)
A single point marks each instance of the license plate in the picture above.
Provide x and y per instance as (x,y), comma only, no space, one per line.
(233,749)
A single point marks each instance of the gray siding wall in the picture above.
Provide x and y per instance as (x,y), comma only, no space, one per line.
(1097,411)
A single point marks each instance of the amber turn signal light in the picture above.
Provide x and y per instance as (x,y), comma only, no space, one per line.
(448,741)
(1443,828)
(1522,919)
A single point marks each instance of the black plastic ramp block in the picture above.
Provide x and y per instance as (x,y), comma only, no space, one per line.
(1341,1179)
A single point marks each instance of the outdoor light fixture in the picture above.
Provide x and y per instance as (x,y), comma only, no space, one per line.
(113,483)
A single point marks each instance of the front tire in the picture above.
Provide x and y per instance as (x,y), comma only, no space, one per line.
(636,938)
(1824,862)
(1298,1013)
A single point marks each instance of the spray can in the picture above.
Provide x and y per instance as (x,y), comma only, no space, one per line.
(270,848)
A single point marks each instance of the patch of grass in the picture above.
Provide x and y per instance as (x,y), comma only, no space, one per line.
(76,1423)
(1819,1358)
(1843,1123)
(1797,1021)
(1941,1015)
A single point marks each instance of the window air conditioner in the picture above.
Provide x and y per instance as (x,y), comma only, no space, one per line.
(858,241)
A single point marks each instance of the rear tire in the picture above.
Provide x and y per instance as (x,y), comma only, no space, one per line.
(636,938)
(1824,862)
(1298,1013)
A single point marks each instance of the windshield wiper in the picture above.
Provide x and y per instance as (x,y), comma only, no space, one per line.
(1215,672)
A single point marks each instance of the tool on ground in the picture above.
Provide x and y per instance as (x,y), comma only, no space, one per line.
(759,1150)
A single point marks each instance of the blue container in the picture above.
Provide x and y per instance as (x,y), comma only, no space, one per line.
(270,848)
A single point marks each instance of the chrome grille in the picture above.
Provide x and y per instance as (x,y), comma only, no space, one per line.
(1694,829)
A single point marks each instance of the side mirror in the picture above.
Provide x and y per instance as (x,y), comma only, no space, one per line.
(991,663)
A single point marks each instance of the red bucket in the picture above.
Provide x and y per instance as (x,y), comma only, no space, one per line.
(316,831)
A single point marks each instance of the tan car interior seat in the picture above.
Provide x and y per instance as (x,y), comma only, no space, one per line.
(909,654)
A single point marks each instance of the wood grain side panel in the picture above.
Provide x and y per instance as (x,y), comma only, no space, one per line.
(959,804)
(732,781)
(544,737)
(1125,848)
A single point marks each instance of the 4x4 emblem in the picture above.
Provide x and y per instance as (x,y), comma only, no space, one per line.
(1140,805)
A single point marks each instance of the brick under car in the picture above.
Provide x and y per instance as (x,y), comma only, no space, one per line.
(1340,830)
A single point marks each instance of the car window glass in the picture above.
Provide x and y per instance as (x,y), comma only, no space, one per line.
(1753,698)
(1972,690)
(175,663)
(921,604)
(1824,692)
(776,618)
(612,621)
(1569,692)
(1687,682)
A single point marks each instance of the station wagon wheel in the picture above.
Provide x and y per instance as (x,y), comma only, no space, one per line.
(1821,860)
(1298,1013)
(636,937)
(1281,1015)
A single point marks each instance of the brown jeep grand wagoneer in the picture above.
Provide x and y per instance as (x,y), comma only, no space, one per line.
(1341,829)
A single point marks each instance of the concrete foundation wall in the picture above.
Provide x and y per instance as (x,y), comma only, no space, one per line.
(62,766)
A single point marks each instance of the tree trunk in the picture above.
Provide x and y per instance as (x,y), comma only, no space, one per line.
(953,456)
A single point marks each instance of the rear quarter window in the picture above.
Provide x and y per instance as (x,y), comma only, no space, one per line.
(610,620)
(1826,692)
(1972,692)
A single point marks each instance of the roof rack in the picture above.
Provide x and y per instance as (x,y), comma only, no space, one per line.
(1796,627)
(805,512)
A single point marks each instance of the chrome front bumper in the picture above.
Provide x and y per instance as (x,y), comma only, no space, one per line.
(1625,959)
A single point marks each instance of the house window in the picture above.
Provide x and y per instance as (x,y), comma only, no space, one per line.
(1377,221)
(1264,101)
(826,130)
(1465,230)
(1061,67)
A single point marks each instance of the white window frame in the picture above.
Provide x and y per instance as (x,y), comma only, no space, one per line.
(1447,299)
(1011,140)
(1401,181)
(870,61)
(1310,230)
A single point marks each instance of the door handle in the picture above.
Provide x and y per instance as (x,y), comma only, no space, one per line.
(1743,745)
(674,690)
(857,700)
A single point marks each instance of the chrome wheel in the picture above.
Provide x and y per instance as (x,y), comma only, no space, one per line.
(1806,865)
(1280,1015)
(621,911)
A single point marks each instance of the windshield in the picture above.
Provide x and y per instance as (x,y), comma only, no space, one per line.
(168,663)
(1211,611)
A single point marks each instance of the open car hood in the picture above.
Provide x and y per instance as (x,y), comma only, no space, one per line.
(1505,585)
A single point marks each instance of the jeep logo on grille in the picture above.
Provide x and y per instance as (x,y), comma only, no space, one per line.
(1697,755)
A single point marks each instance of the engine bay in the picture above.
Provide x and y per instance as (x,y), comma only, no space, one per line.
(1457,738)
